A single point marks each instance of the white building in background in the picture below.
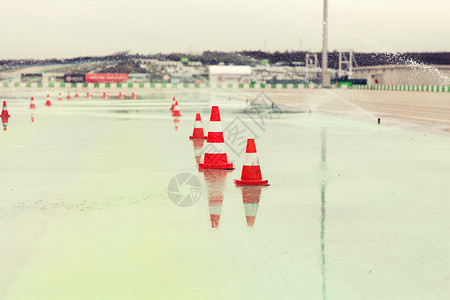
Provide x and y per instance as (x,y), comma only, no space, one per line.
(404,74)
(229,74)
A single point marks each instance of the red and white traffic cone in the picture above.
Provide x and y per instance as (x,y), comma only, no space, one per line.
(104,95)
(120,96)
(59,97)
(133,96)
(251,196)
(32,105)
(48,103)
(216,157)
(76,94)
(173,104)
(5,113)
(68,95)
(198,128)
(176,110)
(251,172)
(87,95)
(198,147)
(5,116)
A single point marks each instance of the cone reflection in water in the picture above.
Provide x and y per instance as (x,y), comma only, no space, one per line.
(32,118)
(251,195)
(251,171)
(215,183)
(215,156)
(198,147)
(68,95)
(198,128)
(176,121)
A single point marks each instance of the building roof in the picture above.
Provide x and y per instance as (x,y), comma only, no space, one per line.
(240,70)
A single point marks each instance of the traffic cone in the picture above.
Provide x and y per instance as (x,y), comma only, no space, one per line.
(198,128)
(59,97)
(215,157)
(68,95)
(5,113)
(87,95)
(198,146)
(104,95)
(251,196)
(48,103)
(76,94)
(251,172)
(133,96)
(173,104)
(176,110)
(120,96)
(32,105)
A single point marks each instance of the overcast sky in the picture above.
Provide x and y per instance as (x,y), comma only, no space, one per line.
(62,28)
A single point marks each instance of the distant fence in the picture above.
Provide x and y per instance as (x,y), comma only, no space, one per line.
(408,88)
(101,86)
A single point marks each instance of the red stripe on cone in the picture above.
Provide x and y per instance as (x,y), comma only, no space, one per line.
(198,131)
(216,158)
(251,171)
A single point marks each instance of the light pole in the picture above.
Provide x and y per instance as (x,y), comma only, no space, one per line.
(326,78)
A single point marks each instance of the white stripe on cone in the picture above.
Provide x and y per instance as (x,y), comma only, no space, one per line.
(215,126)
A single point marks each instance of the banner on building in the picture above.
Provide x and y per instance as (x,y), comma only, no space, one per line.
(106,77)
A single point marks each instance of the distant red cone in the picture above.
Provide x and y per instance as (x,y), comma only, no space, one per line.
(104,95)
(59,97)
(76,94)
(5,113)
(48,103)
(251,172)
(87,95)
(68,95)
(120,96)
(133,96)
(32,105)
(215,157)
(198,128)
(173,104)
(176,110)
